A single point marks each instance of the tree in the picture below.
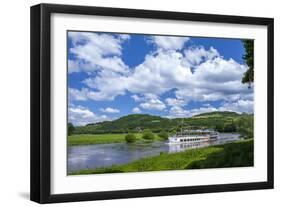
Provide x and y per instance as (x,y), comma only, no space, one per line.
(246,127)
(163,134)
(130,138)
(219,127)
(70,129)
(248,57)
(173,132)
(229,127)
(147,134)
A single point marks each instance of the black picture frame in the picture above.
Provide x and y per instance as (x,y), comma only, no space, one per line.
(41,98)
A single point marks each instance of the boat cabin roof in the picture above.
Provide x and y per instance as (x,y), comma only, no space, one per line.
(196,131)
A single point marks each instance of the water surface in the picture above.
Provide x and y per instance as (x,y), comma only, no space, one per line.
(105,155)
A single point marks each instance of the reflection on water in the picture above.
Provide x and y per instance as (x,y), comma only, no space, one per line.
(181,147)
(105,155)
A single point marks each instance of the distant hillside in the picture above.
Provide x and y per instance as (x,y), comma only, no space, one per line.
(217,114)
(133,122)
(221,121)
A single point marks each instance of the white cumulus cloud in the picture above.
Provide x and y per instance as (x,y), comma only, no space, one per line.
(192,74)
(137,98)
(169,42)
(239,106)
(94,51)
(110,110)
(179,112)
(175,102)
(211,80)
(79,116)
(77,95)
(136,110)
(152,103)
(196,55)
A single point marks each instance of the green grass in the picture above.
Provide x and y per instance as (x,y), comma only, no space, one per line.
(87,139)
(236,154)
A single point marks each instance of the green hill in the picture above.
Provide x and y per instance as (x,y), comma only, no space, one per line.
(217,114)
(133,123)
(220,121)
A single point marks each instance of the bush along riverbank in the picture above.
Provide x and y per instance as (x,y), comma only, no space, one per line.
(236,154)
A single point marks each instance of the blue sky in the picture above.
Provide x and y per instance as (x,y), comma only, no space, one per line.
(111,75)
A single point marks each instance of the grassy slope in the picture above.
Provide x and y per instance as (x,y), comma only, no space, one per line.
(86,139)
(235,154)
(238,154)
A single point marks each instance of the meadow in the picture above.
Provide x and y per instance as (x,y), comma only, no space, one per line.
(87,139)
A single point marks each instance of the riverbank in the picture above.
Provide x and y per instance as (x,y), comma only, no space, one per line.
(88,139)
(236,154)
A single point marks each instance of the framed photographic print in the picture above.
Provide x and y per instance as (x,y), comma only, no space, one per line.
(133,103)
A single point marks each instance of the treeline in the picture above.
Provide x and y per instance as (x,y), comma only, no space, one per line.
(136,123)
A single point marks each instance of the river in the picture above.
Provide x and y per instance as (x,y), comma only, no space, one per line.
(105,155)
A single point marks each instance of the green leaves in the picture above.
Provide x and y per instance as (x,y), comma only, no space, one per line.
(163,134)
(248,57)
(70,129)
(147,134)
(246,127)
(130,138)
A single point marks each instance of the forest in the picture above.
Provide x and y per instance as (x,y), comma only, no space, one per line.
(136,123)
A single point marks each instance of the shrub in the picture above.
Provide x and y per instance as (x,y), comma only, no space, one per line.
(147,134)
(163,134)
(130,138)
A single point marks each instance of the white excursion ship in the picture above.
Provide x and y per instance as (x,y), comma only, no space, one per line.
(193,136)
